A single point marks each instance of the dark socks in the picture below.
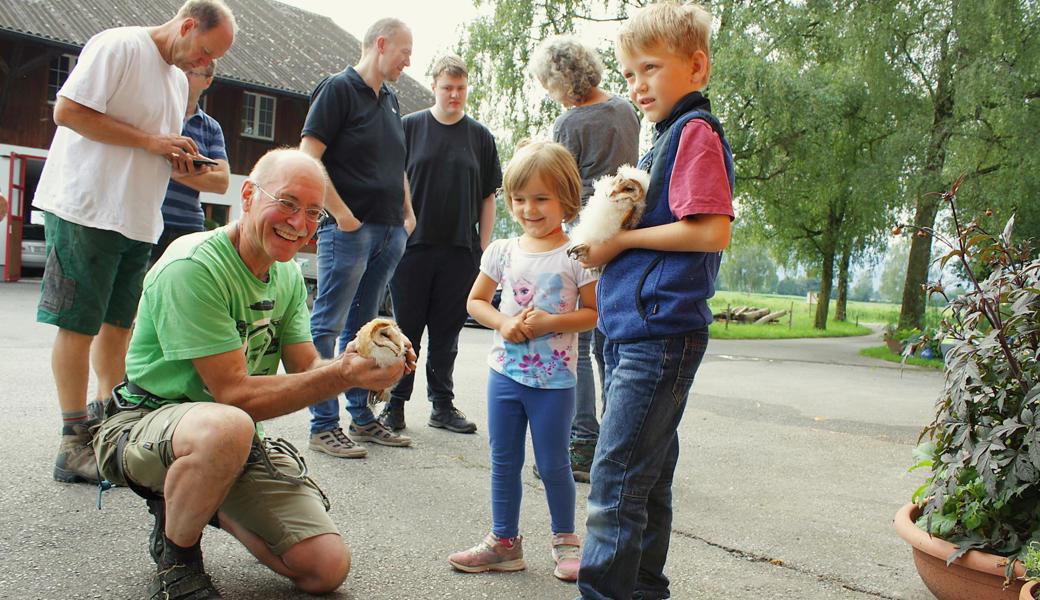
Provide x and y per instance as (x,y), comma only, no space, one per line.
(178,555)
(396,404)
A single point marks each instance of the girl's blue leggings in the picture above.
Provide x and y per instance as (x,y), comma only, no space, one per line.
(511,406)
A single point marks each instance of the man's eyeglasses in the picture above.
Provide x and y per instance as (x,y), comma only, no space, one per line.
(291,207)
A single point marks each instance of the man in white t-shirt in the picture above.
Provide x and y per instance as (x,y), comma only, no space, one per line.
(118,142)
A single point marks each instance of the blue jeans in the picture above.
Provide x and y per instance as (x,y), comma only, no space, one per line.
(353,270)
(511,405)
(585,427)
(630,501)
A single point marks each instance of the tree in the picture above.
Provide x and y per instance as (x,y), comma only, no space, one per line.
(973,69)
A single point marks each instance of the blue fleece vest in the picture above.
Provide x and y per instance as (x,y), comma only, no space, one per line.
(645,294)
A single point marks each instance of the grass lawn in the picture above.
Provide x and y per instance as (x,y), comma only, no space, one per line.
(801,323)
(883,353)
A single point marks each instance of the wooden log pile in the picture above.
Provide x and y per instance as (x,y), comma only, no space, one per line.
(750,314)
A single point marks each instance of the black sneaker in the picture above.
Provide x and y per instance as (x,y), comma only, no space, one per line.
(182,582)
(452,419)
(392,417)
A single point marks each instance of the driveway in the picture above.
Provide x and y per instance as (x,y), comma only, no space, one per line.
(794,457)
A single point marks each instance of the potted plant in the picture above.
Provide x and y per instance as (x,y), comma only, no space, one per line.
(1031,560)
(983,447)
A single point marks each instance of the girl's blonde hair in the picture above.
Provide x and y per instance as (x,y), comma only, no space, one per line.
(554,164)
(681,28)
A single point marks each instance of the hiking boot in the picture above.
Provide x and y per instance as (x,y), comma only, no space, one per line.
(76,462)
(336,443)
(452,419)
(182,582)
(157,508)
(392,416)
(492,554)
(376,433)
(566,552)
(582,452)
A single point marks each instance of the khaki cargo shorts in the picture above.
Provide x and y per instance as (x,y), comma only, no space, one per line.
(283,513)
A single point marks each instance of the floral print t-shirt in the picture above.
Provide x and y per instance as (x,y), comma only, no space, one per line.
(545,280)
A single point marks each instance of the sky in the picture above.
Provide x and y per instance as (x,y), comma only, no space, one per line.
(435,24)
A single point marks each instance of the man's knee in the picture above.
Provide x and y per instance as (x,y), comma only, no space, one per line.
(321,563)
(211,426)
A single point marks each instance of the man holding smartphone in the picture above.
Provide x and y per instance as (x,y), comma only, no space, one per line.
(181,210)
(119,117)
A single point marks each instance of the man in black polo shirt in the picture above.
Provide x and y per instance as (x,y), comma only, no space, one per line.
(453,170)
(354,128)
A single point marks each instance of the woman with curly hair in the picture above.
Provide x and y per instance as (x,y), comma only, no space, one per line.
(601,130)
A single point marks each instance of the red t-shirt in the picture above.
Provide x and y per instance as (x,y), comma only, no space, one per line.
(699,184)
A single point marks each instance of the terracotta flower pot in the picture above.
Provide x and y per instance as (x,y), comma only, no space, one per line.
(1028,589)
(974,576)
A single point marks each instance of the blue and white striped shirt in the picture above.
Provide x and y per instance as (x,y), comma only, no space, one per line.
(181,209)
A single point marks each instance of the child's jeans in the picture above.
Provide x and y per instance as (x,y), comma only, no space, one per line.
(585,427)
(630,503)
(511,406)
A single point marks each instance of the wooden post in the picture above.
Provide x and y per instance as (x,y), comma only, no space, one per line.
(727,316)
(790,317)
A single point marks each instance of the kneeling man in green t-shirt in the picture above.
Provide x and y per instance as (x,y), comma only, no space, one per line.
(218,313)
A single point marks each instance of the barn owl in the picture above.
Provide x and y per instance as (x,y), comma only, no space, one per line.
(617,203)
(382,341)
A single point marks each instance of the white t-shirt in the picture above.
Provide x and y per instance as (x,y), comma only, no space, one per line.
(120,73)
(546,280)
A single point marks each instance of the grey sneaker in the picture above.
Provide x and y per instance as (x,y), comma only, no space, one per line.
(76,462)
(492,554)
(376,433)
(336,443)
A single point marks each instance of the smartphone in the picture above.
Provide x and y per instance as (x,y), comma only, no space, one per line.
(200,161)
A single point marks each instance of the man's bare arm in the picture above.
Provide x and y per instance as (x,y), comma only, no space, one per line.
(269,396)
(486,224)
(100,127)
(409,213)
(345,219)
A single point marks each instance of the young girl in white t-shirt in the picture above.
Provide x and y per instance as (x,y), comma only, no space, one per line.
(534,356)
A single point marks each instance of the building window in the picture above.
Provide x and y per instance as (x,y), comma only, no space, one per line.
(61,66)
(258,116)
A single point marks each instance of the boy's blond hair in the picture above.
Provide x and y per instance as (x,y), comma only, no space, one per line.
(554,164)
(681,28)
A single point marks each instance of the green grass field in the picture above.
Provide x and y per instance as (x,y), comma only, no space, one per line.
(801,323)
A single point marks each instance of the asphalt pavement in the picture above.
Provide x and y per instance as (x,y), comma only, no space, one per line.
(794,460)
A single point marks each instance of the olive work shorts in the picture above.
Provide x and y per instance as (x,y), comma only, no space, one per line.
(92,276)
(282,513)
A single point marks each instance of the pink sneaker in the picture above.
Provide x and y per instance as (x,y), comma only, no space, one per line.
(492,554)
(566,551)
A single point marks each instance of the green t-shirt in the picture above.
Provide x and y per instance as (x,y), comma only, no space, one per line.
(200,300)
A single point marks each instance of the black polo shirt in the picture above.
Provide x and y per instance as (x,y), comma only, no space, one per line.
(364,139)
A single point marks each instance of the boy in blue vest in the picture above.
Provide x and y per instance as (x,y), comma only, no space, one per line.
(653,302)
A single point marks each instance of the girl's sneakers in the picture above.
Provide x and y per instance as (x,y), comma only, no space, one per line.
(566,551)
(492,554)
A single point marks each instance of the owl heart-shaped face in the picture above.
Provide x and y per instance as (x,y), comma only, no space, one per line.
(385,335)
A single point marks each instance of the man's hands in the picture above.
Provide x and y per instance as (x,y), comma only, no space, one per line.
(366,373)
(348,223)
(178,149)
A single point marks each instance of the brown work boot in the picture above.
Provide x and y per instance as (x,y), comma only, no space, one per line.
(76,462)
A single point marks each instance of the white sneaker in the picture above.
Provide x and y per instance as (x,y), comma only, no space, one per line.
(336,443)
